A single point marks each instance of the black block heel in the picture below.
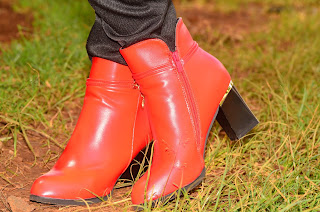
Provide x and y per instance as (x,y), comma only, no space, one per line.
(234,115)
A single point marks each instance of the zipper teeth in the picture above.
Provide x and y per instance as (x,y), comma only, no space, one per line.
(192,50)
(123,84)
(190,98)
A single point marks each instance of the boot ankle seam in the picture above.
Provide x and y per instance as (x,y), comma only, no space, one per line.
(191,51)
(153,71)
(110,83)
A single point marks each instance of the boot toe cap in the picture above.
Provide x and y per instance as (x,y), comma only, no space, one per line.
(58,185)
(49,186)
(156,188)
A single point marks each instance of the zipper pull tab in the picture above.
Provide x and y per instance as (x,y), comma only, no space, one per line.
(143,100)
(136,86)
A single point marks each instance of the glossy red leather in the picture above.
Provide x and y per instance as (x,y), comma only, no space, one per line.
(182,92)
(111,130)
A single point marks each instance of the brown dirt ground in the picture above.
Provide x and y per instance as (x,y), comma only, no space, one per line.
(212,24)
(17,173)
(10,20)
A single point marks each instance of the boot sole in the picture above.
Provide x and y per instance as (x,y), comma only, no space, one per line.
(53,201)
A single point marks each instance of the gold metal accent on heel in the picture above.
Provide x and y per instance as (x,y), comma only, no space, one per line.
(226,94)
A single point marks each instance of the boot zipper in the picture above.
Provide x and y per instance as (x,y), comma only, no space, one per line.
(142,102)
(137,86)
(190,97)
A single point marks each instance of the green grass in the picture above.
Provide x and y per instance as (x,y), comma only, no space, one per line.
(40,74)
(275,168)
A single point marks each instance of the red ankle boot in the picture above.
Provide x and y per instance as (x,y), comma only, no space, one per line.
(184,91)
(111,130)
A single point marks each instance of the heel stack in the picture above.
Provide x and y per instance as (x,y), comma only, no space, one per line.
(234,115)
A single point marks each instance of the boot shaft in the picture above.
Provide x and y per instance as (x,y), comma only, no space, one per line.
(196,77)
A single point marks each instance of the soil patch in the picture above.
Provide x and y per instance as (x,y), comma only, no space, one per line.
(212,24)
(10,22)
